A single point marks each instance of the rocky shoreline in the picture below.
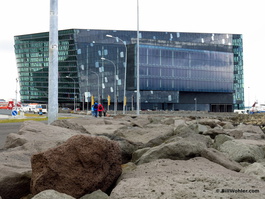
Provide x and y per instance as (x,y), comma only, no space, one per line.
(161,156)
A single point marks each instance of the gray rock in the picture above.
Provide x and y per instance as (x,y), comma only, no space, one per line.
(258,143)
(150,134)
(52,194)
(249,128)
(256,170)
(70,125)
(220,139)
(96,195)
(36,136)
(179,122)
(227,125)
(201,129)
(252,136)
(183,129)
(138,153)
(14,183)
(241,152)
(206,140)
(212,123)
(127,147)
(219,158)
(214,132)
(159,139)
(193,178)
(234,133)
(181,149)
(250,132)
(156,119)
(168,121)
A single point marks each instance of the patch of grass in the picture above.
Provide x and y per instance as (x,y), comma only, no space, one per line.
(35,119)
(30,115)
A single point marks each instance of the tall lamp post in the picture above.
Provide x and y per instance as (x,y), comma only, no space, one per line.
(98,82)
(115,89)
(125,71)
(16,93)
(195,106)
(74,89)
(138,65)
(53,63)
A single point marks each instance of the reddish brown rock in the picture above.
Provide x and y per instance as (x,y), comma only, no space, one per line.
(81,165)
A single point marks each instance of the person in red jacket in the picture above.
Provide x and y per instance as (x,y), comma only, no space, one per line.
(100,109)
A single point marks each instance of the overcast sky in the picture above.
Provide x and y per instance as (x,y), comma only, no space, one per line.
(19,17)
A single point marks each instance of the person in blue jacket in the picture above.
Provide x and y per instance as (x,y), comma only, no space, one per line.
(92,110)
(96,109)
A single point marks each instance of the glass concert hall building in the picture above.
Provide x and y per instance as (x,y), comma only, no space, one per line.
(178,70)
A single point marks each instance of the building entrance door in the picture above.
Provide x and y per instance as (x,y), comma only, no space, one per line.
(221,108)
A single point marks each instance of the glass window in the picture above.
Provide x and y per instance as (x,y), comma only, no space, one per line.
(195,70)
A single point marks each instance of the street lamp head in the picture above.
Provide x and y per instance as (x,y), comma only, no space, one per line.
(67,76)
(102,58)
(109,36)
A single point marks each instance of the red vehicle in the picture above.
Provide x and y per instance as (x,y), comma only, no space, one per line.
(8,105)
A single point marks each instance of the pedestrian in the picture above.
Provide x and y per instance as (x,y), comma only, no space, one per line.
(105,112)
(92,110)
(100,109)
(96,109)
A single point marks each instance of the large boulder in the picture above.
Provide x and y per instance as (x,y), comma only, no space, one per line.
(79,166)
(193,178)
(177,149)
(242,152)
(15,167)
(37,136)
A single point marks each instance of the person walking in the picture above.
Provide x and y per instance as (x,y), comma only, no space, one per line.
(92,110)
(100,109)
(96,109)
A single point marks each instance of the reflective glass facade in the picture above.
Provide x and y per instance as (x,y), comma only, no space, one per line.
(175,68)
(167,68)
